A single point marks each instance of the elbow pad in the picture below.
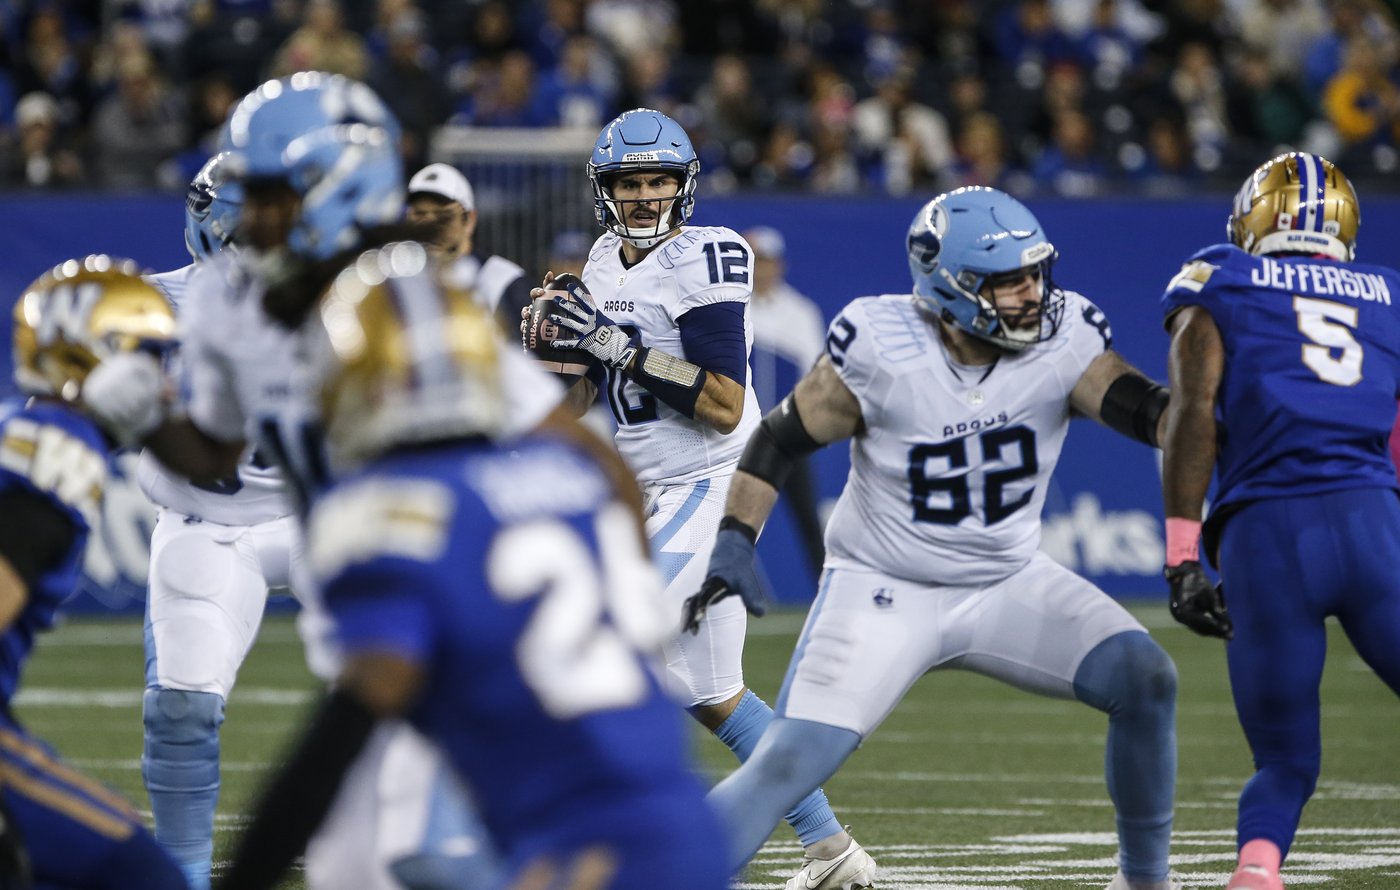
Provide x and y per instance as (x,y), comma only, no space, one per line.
(779,440)
(1132,406)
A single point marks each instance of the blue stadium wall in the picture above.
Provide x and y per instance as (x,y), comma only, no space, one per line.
(1103,514)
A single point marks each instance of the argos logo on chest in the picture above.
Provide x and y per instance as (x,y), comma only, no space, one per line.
(977,424)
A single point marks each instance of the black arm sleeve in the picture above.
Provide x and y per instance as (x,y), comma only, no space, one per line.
(35,533)
(779,440)
(294,804)
(1132,405)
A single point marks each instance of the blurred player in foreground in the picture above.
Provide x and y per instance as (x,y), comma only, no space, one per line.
(1281,339)
(217,549)
(53,464)
(401,821)
(667,331)
(496,598)
(957,400)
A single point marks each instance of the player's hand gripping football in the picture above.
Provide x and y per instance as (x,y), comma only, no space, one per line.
(731,571)
(597,334)
(1197,603)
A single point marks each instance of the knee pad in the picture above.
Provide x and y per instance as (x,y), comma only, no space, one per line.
(181,717)
(1127,670)
(182,739)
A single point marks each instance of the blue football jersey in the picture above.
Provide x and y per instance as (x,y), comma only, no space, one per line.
(54,451)
(530,601)
(1312,370)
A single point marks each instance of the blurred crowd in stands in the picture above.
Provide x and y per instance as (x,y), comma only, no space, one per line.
(1068,97)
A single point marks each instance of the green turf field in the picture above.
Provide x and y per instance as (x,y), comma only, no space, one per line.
(969,784)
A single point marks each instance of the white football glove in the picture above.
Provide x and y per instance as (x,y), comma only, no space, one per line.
(598,335)
(124,393)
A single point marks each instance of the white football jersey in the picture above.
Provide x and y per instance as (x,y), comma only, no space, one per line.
(949,477)
(257,494)
(247,379)
(699,266)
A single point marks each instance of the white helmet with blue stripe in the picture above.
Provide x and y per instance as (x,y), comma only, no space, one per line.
(334,142)
(642,140)
(962,238)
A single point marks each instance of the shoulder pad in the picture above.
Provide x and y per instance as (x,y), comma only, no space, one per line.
(379,516)
(888,329)
(721,252)
(57,453)
(1083,319)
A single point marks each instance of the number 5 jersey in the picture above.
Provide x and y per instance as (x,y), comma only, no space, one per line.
(1312,358)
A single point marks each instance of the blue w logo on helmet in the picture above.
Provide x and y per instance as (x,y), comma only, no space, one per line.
(966,240)
(636,141)
(212,205)
(333,142)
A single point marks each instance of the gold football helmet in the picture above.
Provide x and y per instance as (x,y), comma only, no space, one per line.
(1296,203)
(80,312)
(402,356)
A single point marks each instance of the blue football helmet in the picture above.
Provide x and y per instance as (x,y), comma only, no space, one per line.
(964,237)
(642,139)
(212,205)
(334,142)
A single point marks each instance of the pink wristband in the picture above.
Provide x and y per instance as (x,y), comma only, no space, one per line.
(1182,535)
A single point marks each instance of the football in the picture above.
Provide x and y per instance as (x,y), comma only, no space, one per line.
(538,332)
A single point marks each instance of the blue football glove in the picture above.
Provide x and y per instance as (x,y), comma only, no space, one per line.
(598,335)
(731,571)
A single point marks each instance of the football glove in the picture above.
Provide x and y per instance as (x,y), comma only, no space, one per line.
(597,334)
(731,571)
(125,394)
(1197,603)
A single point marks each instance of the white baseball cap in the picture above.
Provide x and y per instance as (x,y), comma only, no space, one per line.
(767,242)
(445,180)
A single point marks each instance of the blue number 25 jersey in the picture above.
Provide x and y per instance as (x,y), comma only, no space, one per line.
(529,600)
(1312,370)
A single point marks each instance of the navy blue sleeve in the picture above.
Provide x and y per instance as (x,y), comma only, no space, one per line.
(713,337)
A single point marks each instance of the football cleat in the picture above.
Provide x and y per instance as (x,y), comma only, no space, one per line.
(851,869)
(1254,877)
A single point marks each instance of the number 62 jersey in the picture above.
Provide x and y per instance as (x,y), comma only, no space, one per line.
(949,475)
(1312,359)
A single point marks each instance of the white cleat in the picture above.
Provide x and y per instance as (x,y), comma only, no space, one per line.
(1120,882)
(851,869)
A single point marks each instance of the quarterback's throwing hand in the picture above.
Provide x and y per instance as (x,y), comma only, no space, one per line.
(1197,603)
(731,571)
(597,334)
